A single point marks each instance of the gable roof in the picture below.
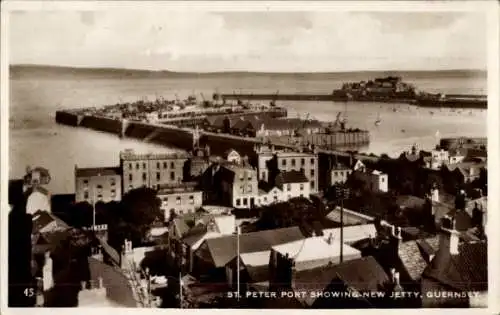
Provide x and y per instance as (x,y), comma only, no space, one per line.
(352,233)
(414,256)
(223,249)
(350,217)
(42,219)
(293,177)
(467,271)
(362,274)
(409,201)
(313,248)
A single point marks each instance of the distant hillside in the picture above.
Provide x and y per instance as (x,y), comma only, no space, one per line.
(53,72)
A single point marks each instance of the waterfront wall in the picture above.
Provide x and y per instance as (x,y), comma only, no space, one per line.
(183,138)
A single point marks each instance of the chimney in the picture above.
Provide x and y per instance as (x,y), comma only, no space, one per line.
(449,237)
(48,277)
(434,194)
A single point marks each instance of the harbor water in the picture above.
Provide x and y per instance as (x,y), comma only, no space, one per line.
(35,138)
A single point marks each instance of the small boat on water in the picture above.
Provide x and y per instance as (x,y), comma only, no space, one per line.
(403,130)
(378,121)
(432,113)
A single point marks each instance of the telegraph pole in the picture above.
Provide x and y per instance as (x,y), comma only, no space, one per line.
(342,193)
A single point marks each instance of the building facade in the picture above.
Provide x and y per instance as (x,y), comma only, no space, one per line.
(293,184)
(179,199)
(151,170)
(339,174)
(97,184)
(271,162)
(374,180)
(239,185)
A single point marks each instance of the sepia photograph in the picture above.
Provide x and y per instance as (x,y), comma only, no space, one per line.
(246,156)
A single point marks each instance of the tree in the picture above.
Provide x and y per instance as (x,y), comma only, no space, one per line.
(138,209)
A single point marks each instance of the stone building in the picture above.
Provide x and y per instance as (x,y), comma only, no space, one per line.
(97,184)
(151,170)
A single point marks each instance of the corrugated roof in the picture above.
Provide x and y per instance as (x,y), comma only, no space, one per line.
(223,249)
(96,171)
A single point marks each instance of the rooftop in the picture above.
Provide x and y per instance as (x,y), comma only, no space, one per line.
(130,155)
(314,248)
(362,274)
(96,171)
(223,249)
(350,217)
(467,271)
(293,177)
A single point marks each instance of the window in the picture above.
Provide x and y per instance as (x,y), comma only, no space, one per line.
(335,173)
(136,166)
(242,189)
(113,193)
(238,202)
(113,182)
(172,175)
(172,165)
(275,198)
(312,161)
(302,195)
(144,176)
(181,212)
(158,165)
(289,187)
(382,179)
(157,175)
(242,176)
(293,162)
(302,162)
(312,184)
(99,188)
(191,200)
(144,165)
(130,177)
(283,162)
(301,186)
(245,201)
(312,173)
(86,195)
(164,164)
(249,176)
(130,166)
(130,187)
(85,181)
(178,200)
(99,197)
(265,199)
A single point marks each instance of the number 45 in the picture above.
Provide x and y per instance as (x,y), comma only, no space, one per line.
(29,292)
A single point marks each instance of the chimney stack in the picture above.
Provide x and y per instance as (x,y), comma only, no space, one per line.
(449,236)
(48,277)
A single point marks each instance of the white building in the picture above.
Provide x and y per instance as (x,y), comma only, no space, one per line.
(293,184)
(375,180)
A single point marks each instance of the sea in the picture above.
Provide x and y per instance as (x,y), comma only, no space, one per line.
(36,140)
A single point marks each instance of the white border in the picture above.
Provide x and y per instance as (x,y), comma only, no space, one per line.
(491,7)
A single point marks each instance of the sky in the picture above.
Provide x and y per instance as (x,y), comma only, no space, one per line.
(273,41)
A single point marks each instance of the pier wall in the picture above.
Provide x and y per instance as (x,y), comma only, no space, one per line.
(101,124)
(67,118)
(183,138)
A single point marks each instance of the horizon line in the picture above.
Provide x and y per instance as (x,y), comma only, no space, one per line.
(239,71)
